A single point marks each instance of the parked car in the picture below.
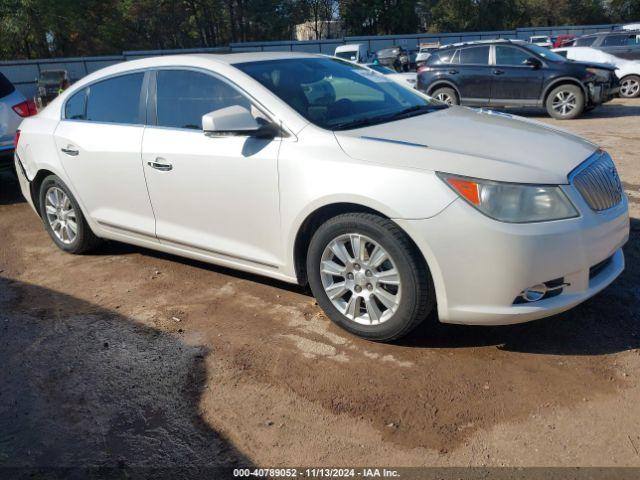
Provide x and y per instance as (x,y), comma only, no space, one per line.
(404,78)
(387,203)
(541,41)
(50,84)
(396,58)
(13,108)
(563,40)
(623,44)
(510,73)
(631,26)
(627,71)
(357,52)
(424,50)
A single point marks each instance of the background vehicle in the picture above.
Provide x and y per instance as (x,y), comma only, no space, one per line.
(50,84)
(506,73)
(618,43)
(405,78)
(205,168)
(396,58)
(627,71)
(424,50)
(541,41)
(631,26)
(563,40)
(356,52)
(13,108)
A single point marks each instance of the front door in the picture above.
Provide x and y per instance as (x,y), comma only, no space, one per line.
(216,196)
(99,143)
(515,82)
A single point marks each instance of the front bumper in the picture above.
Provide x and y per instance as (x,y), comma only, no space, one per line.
(602,92)
(481,266)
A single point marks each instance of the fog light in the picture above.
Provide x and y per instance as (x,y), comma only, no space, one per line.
(535,293)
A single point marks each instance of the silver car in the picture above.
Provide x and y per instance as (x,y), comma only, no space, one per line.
(13,108)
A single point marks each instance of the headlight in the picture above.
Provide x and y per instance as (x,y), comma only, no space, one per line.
(512,202)
(600,74)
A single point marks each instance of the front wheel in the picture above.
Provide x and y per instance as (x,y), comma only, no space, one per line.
(446,95)
(369,277)
(565,102)
(630,86)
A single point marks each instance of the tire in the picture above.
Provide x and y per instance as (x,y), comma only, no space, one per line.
(565,102)
(630,86)
(371,315)
(446,95)
(53,206)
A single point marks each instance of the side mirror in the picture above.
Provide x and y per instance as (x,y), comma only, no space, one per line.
(533,62)
(237,120)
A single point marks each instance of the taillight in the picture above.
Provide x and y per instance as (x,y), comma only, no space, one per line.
(16,139)
(26,108)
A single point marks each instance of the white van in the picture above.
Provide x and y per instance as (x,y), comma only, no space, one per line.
(356,52)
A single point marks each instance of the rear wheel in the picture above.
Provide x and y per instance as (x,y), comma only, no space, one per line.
(63,218)
(446,95)
(565,102)
(368,277)
(630,86)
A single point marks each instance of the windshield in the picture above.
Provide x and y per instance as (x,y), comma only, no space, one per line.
(338,95)
(349,55)
(546,53)
(51,76)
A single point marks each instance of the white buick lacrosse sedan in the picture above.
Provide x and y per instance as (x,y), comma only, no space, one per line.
(317,171)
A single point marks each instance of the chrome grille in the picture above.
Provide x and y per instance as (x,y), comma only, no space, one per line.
(598,182)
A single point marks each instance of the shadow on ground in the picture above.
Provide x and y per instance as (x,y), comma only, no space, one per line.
(9,188)
(85,387)
(608,110)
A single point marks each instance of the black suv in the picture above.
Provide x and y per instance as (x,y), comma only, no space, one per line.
(621,43)
(511,73)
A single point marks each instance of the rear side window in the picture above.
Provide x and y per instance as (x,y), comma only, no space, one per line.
(585,41)
(184,96)
(116,100)
(75,106)
(475,56)
(6,87)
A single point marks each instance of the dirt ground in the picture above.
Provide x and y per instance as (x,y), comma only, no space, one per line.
(131,357)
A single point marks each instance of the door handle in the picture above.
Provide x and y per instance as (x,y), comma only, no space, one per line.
(160,164)
(70,150)
(453,71)
(498,72)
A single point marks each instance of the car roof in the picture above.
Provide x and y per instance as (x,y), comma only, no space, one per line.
(485,42)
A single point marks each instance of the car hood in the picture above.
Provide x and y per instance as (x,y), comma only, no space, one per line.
(473,143)
(603,66)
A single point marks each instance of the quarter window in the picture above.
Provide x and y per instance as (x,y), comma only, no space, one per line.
(184,96)
(475,56)
(448,57)
(116,100)
(75,106)
(510,55)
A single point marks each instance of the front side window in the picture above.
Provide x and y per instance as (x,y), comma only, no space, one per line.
(75,107)
(337,95)
(475,56)
(511,55)
(116,100)
(184,96)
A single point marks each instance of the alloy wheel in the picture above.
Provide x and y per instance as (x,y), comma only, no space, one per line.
(564,102)
(444,98)
(630,87)
(361,279)
(61,215)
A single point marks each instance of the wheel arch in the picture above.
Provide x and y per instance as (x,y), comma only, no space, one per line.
(564,81)
(444,83)
(34,187)
(320,215)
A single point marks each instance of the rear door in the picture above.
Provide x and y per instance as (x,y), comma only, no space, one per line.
(99,142)
(515,82)
(473,75)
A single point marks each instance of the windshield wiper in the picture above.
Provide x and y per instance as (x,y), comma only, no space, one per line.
(405,113)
